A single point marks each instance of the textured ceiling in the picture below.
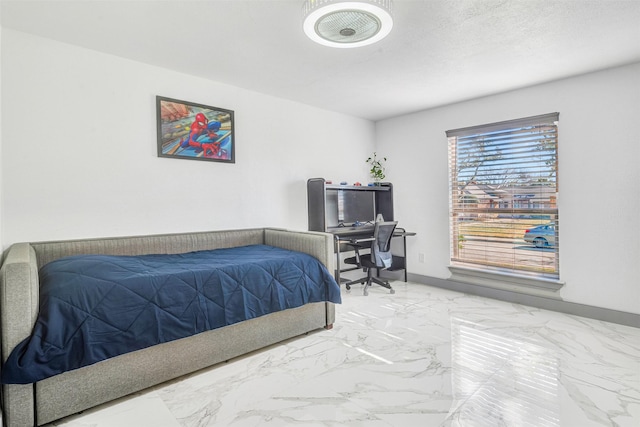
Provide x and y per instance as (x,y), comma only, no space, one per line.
(439,52)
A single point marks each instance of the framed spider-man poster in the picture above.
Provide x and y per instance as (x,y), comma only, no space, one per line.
(187,130)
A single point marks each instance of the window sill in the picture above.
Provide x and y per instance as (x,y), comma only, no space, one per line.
(506,281)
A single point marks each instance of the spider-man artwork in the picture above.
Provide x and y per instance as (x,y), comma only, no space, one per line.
(194,131)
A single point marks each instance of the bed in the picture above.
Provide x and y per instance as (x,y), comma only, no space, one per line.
(171,276)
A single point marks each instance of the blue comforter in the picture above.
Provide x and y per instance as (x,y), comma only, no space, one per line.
(93,307)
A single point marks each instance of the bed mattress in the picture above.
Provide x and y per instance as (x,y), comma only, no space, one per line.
(93,307)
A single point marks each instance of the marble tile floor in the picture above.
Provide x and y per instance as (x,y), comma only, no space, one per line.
(421,357)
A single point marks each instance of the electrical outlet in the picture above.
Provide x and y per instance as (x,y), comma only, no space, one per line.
(421,258)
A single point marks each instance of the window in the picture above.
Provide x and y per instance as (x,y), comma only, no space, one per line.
(503,191)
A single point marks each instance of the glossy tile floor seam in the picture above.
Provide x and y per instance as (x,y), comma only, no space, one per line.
(423,356)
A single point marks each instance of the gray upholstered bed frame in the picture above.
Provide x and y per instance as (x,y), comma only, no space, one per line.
(74,391)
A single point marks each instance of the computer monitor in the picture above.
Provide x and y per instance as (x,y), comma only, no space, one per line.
(347,207)
(357,206)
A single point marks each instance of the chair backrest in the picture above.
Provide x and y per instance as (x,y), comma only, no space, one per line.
(381,247)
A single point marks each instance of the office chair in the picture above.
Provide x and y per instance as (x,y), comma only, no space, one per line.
(379,257)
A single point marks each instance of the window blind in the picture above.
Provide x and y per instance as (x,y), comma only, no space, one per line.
(503,196)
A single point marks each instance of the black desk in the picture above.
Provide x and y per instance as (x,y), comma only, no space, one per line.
(343,235)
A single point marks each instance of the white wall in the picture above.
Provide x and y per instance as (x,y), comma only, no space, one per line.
(1,186)
(79,150)
(599,179)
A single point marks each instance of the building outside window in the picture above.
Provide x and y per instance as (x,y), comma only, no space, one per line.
(503,197)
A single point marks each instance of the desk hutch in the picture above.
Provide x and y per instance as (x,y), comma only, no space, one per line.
(349,212)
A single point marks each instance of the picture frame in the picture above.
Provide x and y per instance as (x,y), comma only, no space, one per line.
(187,130)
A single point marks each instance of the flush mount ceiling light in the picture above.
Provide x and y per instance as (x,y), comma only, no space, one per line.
(346,24)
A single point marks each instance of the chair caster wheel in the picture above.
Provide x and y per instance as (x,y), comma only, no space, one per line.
(348,287)
(392,291)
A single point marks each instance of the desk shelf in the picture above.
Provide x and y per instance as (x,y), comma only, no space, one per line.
(322,209)
(398,263)
(382,187)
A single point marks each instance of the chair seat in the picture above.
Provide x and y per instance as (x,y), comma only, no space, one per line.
(351,260)
(366,262)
